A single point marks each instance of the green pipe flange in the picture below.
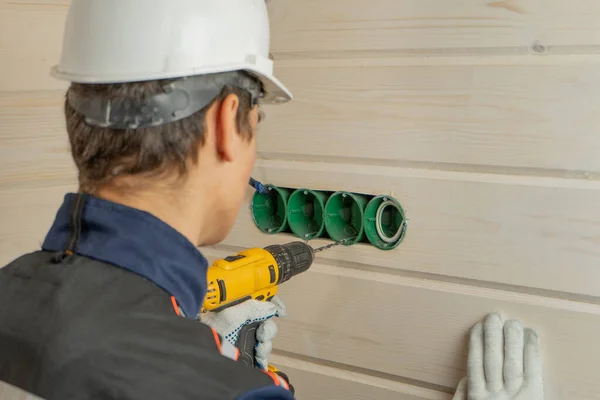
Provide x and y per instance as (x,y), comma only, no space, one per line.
(269,210)
(344,215)
(306,213)
(385,222)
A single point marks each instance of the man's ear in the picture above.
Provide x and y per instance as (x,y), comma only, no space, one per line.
(226,128)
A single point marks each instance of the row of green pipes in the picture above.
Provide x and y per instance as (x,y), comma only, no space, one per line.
(341,216)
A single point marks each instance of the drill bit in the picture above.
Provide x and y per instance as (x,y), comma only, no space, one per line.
(319,249)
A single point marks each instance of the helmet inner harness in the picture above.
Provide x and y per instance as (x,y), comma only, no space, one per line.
(181,98)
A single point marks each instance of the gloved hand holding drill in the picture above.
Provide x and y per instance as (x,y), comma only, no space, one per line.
(242,299)
(250,327)
(251,317)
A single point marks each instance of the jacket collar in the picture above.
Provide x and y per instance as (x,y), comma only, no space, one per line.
(138,242)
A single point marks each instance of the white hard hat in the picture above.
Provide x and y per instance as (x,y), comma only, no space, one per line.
(112,41)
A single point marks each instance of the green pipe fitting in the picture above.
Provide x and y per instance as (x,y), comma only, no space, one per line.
(344,216)
(269,210)
(306,213)
(385,222)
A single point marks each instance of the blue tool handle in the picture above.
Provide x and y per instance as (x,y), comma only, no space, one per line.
(259,187)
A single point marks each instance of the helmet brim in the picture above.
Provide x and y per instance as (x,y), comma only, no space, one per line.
(276,92)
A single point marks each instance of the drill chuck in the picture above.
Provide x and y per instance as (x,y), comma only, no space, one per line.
(291,258)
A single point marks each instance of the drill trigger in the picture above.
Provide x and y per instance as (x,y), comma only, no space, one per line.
(272,273)
(222,290)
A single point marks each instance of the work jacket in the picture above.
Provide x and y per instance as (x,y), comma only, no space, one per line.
(107,309)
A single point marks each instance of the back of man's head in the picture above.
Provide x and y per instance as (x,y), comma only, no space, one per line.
(163,104)
(157,156)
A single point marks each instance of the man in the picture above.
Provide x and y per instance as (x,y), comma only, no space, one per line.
(161,115)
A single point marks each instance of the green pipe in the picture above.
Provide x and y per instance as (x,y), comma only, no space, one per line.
(385,222)
(269,210)
(344,215)
(306,213)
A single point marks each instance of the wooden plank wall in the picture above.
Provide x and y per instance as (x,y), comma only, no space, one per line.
(480,116)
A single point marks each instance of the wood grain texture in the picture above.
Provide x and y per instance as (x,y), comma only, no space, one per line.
(27,215)
(418,328)
(34,146)
(314,381)
(512,88)
(31,32)
(568,23)
(328,25)
(442,26)
(332,26)
(480,117)
(532,116)
(538,233)
(30,43)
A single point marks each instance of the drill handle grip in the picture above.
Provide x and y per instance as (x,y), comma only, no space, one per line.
(246,343)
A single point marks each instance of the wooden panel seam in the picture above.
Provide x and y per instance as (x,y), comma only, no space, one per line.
(283,361)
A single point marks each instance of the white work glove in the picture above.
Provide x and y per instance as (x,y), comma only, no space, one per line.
(229,322)
(504,363)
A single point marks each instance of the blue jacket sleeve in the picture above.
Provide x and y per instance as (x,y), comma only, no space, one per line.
(267,393)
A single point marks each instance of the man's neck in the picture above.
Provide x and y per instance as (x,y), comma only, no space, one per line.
(173,207)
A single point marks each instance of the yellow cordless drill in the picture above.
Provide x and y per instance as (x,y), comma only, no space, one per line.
(255,274)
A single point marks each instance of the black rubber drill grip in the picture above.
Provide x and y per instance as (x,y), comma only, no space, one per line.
(246,343)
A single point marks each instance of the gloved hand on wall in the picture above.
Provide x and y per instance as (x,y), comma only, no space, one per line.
(504,363)
(251,317)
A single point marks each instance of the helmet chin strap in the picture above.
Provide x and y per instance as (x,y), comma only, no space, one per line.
(181,99)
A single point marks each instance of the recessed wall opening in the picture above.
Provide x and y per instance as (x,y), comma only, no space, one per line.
(344,215)
(269,210)
(306,213)
(385,222)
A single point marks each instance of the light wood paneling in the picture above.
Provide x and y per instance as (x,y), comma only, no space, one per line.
(533,116)
(568,23)
(34,146)
(418,328)
(31,32)
(477,143)
(27,214)
(332,26)
(315,381)
(30,42)
(535,232)
(451,117)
